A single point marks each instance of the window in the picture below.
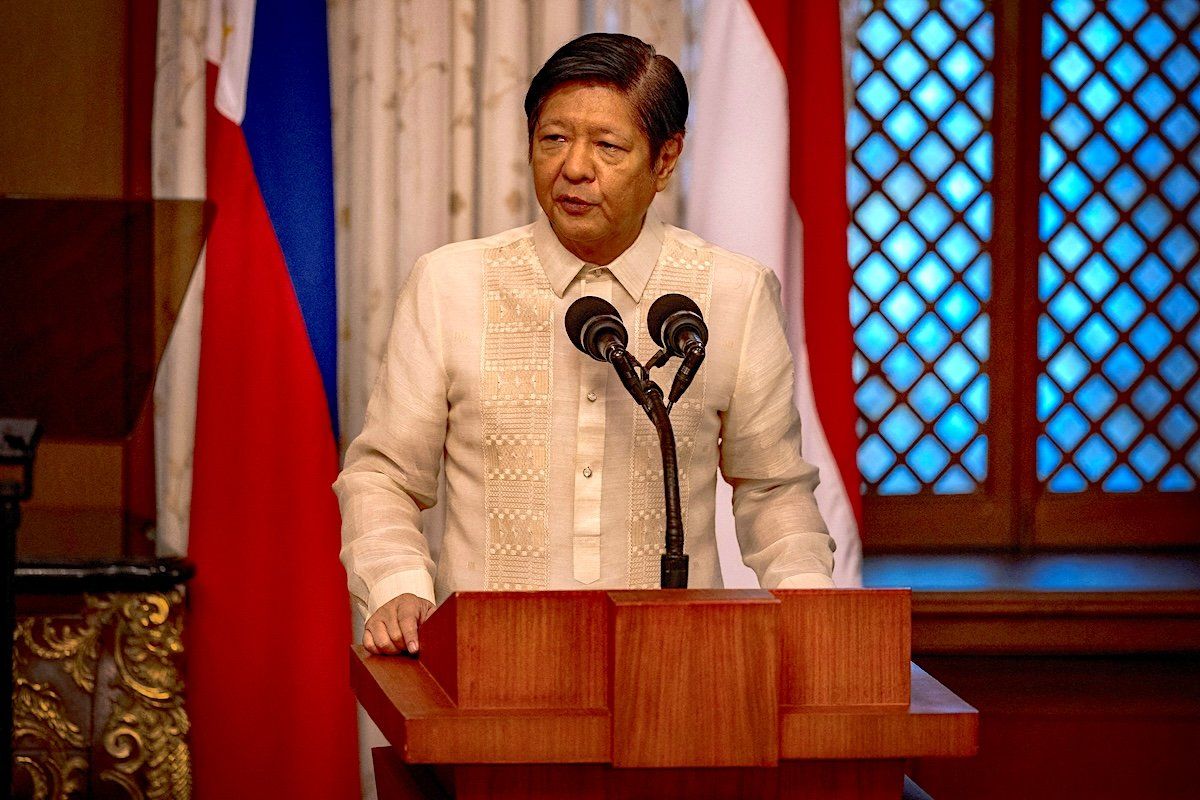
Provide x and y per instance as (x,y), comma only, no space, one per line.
(1023,186)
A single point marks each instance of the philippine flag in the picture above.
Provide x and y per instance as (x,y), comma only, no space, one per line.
(770,181)
(268,686)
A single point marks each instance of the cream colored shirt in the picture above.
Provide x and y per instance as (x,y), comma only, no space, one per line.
(553,473)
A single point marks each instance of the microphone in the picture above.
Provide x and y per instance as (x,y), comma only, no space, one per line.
(677,326)
(594,326)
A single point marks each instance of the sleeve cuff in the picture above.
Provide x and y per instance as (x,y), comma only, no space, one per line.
(806,580)
(409,581)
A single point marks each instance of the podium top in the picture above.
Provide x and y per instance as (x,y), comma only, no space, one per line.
(90,290)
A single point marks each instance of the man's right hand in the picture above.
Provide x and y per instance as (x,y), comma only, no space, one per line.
(393,628)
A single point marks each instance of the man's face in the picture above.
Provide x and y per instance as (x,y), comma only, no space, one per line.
(592,170)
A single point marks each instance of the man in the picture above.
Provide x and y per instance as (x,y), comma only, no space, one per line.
(553,474)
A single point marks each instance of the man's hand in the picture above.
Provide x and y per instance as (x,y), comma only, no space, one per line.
(393,628)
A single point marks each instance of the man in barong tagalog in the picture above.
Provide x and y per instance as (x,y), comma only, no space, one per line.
(553,472)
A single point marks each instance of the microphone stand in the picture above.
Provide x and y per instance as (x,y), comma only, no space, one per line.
(674,570)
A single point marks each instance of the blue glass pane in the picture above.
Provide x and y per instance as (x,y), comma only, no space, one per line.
(1053,96)
(1072,66)
(1153,97)
(1069,247)
(907,12)
(1067,428)
(1177,427)
(877,95)
(1122,367)
(960,126)
(1050,277)
(1050,336)
(1100,37)
(859,306)
(1128,12)
(1096,337)
(901,428)
(1126,67)
(876,156)
(1122,427)
(874,458)
(1125,187)
(934,35)
(906,65)
(1067,480)
(856,185)
(956,367)
(961,66)
(1154,36)
(954,481)
(1099,96)
(931,217)
(876,216)
(857,244)
(930,277)
(900,481)
(878,35)
(1151,217)
(933,95)
(1124,247)
(1152,157)
(928,458)
(1095,458)
(1177,479)
(977,337)
(1122,479)
(1072,126)
(975,398)
(956,428)
(979,156)
(1177,368)
(1180,187)
(979,277)
(1053,37)
(1182,12)
(1098,157)
(957,307)
(980,96)
(902,367)
(875,337)
(1179,248)
(979,217)
(1068,368)
(1048,457)
(903,306)
(932,155)
(904,186)
(1181,67)
(1096,277)
(1149,457)
(1097,217)
(1070,187)
(1178,308)
(904,125)
(1095,397)
(1150,337)
(1150,397)
(961,13)
(929,337)
(975,459)
(1126,127)
(874,397)
(876,277)
(959,186)
(929,397)
(1050,217)
(958,247)
(1123,307)
(1180,126)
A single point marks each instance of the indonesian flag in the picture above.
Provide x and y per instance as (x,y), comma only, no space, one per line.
(268,683)
(769,181)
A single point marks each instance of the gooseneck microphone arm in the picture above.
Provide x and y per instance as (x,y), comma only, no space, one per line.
(594,326)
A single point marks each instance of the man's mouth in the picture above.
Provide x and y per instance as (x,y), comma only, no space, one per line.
(573,205)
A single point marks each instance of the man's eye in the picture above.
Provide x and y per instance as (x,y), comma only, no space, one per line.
(554,137)
(609,146)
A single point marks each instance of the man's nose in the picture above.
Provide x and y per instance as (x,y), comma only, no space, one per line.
(578,167)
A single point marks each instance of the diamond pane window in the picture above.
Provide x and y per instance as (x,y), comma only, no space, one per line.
(1120,229)
(920,198)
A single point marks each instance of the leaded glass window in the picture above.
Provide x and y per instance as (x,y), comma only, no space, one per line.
(919,191)
(1118,335)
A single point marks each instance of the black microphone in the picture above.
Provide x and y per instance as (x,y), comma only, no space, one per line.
(594,326)
(677,326)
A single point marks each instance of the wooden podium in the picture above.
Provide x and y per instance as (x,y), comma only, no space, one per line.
(659,694)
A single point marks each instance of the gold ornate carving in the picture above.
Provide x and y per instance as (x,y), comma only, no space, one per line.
(145,731)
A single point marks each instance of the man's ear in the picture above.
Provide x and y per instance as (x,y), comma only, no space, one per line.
(668,159)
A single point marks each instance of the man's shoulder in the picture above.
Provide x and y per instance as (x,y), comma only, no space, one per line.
(471,251)
(722,260)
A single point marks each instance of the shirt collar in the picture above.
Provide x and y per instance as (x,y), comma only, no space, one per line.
(632,268)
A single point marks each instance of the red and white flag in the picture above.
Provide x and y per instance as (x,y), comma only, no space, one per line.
(769,181)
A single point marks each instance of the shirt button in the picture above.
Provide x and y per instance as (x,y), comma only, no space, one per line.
(591,396)
(587,472)
(596,273)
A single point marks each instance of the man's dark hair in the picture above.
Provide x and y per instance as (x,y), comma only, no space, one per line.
(651,82)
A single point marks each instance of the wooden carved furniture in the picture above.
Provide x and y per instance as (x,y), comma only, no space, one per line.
(630,694)
(98,665)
